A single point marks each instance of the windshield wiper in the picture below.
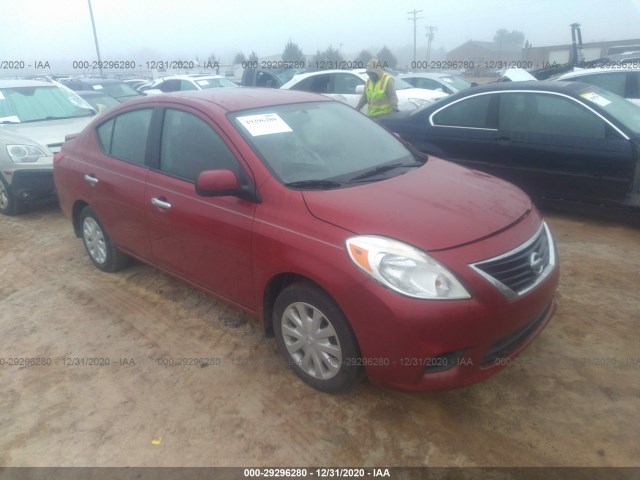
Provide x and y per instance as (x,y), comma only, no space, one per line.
(381,169)
(320,184)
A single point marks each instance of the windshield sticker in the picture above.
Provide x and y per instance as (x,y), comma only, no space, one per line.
(265,124)
(202,83)
(1,96)
(97,87)
(11,119)
(595,98)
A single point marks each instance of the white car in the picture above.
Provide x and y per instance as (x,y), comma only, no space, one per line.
(180,83)
(624,82)
(443,82)
(35,117)
(348,86)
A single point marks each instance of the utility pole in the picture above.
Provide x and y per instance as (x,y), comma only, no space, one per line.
(430,31)
(415,19)
(95,38)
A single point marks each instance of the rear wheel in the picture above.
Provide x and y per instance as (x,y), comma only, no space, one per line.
(9,203)
(315,336)
(101,250)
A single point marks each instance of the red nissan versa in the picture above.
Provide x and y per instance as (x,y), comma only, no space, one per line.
(360,255)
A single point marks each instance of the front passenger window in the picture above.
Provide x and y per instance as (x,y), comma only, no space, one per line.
(190,146)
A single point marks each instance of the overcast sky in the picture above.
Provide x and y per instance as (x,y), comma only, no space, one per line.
(173,29)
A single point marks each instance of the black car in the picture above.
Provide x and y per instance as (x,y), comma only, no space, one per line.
(556,140)
(116,88)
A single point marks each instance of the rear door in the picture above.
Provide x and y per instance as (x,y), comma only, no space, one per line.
(114,178)
(204,240)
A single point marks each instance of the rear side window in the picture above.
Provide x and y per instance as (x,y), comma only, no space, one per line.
(615,82)
(471,112)
(542,113)
(125,136)
(190,146)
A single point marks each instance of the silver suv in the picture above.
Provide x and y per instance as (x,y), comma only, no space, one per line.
(35,116)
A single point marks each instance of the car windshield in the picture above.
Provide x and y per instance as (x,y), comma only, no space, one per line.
(624,111)
(215,83)
(96,100)
(35,104)
(116,89)
(401,84)
(457,82)
(321,142)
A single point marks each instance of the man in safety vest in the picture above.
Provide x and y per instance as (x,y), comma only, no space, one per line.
(379,91)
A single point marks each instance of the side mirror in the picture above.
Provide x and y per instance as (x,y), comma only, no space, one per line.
(224,183)
(360,89)
(474,84)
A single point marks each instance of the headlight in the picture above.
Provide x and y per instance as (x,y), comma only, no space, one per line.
(24,153)
(404,268)
(419,102)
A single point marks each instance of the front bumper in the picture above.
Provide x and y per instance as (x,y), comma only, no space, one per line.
(416,345)
(32,184)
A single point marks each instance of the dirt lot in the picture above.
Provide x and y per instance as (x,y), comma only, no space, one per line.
(576,402)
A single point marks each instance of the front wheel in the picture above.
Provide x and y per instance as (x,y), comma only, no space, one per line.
(103,253)
(315,337)
(9,203)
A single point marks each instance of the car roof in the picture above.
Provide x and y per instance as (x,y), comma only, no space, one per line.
(427,74)
(588,71)
(236,99)
(567,88)
(25,83)
(302,76)
(98,81)
(190,77)
(92,93)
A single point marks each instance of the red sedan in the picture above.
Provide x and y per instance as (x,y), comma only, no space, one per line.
(358,254)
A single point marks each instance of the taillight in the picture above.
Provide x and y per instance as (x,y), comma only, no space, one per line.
(58,156)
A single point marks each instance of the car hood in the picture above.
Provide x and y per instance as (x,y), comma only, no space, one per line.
(437,206)
(48,133)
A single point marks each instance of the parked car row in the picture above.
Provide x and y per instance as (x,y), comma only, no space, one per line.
(348,86)
(361,255)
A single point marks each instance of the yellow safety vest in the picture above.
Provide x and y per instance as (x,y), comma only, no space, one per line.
(379,102)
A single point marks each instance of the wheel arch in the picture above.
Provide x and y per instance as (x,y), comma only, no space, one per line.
(75,216)
(278,283)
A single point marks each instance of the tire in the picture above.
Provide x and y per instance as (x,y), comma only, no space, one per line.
(315,337)
(9,203)
(102,252)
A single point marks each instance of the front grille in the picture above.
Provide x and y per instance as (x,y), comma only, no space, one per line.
(518,271)
(54,147)
(507,345)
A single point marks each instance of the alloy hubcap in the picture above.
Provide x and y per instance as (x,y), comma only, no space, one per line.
(311,341)
(4,197)
(94,240)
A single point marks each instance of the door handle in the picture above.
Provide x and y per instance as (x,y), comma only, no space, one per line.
(502,139)
(160,203)
(91,179)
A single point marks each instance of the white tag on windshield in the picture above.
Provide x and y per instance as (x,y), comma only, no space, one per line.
(264,124)
(1,96)
(595,98)
(11,119)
